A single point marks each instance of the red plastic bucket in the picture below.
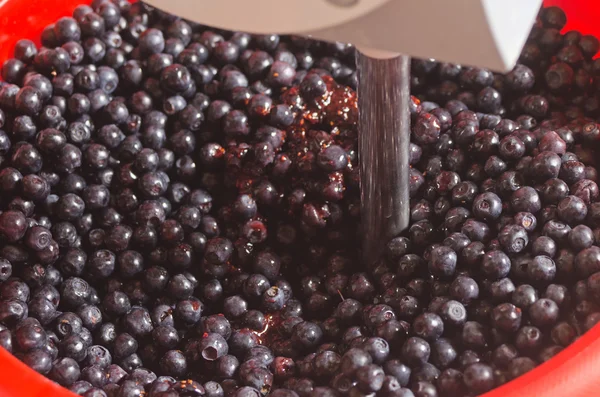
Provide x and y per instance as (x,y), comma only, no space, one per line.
(574,372)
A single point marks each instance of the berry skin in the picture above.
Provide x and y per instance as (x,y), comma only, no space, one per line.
(151,42)
(464,289)
(479,378)
(64,371)
(453,313)
(428,326)
(426,129)
(541,269)
(487,206)
(175,78)
(173,363)
(543,312)
(544,245)
(28,101)
(442,262)
(572,209)
(415,351)
(307,334)
(13,225)
(528,339)
(332,158)
(313,86)
(525,199)
(513,238)
(495,265)
(353,360)
(30,337)
(213,346)
(520,366)
(506,317)
(370,378)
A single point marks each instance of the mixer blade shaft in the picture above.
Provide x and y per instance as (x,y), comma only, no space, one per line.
(384,139)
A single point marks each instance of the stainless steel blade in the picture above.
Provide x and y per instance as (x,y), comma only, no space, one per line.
(384,139)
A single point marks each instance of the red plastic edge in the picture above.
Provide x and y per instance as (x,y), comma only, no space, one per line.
(27,18)
(582,15)
(18,380)
(574,372)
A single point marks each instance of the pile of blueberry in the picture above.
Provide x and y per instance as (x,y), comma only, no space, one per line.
(180,214)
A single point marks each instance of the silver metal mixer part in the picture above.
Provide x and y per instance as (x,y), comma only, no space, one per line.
(384,139)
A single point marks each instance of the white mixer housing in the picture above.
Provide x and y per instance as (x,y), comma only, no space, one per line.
(485,33)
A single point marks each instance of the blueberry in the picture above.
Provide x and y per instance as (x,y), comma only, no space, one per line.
(151,42)
(353,360)
(544,245)
(496,264)
(28,101)
(585,189)
(99,356)
(138,321)
(528,339)
(541,269)
(415,351)
(25,50)
(281,74)
(5,269)
(464,289)
(428,326)
(479,378)
(506,317)
(307,334)
(543,312)
(370,378)
(65,371)
(332,158)
(90,315)
(26,158)
(176,78)
(474,335)
(442,262)
(513,238)
(130,388)
(30,337)
(572,209)
(13,225)
(426,129)
(173,363)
